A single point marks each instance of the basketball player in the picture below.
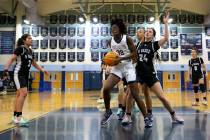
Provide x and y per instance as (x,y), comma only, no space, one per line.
(145,66)
(23,56)
(144,88)
(197,69)
(123,45)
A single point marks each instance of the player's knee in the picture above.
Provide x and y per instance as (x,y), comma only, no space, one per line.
(195,88)
(202,88)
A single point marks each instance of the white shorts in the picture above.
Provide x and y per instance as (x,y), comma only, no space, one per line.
(125,70)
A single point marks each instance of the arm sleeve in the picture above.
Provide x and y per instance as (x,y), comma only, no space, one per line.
(201,60)
(18,51)
(156,46)
(189,63)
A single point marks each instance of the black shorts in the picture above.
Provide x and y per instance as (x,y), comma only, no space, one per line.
(124,82)
(196,78)
(149,80)
(21,81)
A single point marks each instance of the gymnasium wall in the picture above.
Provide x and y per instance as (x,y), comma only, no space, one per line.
(77,64)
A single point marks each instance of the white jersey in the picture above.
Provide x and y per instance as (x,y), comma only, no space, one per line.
(121,48)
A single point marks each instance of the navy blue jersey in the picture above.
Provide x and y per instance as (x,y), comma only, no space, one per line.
(24,60)
(146,53)
(195,65)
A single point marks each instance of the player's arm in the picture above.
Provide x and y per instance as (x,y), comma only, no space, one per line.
(10,61)
(203,66)
(39,67)
(189,71)
(163,40)
(132,48)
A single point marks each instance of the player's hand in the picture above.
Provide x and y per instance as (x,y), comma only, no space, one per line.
(5,74)
(45,72)
(166,17)
(117,61)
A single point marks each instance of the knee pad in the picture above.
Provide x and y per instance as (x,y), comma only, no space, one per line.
(202,88)
(195,88)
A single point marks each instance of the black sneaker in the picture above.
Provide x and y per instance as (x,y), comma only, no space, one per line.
(150,116)
(148,122)
(106,117)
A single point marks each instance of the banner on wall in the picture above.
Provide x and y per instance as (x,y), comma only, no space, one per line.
(95,31)
(7,41)
(44,31)
(62,31)
(94,43)
(71,43)
(80,31)
(80,56)
(71,31)
(174,43)
(71,56)
(35,44)
(43,56)
(80,43)
(104,31)
(94,56)
(35,31)
(208,43)
(189,41)
(62,43)
(53,56)
(104,43)
(44,44)
(207,31)
(173,31)
(53,31)
(62,56)
(174,56)
(26,30)
(53,44)
(165,56)
(131,31)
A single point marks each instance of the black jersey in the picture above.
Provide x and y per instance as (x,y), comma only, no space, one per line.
(24,60)
(146,52)
(195,65)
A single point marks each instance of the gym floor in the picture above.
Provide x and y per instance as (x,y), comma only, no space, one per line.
(77,115)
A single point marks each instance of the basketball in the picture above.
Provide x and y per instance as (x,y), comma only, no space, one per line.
(110,58)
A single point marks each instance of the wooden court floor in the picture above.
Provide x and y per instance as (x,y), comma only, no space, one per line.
(41,105)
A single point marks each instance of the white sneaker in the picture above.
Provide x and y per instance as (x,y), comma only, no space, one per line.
(195,104)
(204,102)
(21,121)
(100,100)
(14,119)
(126,120)
(177,120)
(118,111)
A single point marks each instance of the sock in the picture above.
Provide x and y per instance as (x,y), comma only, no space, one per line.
(18,114)
(124,108)
(149,111)
(172,113)
(197,100)
(15,113)
(128,114)
(120,106)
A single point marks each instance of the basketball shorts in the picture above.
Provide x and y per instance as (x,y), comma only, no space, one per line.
(149,80)
(196,78)
(125,70)
(21,81)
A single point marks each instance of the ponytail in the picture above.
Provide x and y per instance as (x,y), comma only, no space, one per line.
(21,40)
